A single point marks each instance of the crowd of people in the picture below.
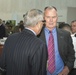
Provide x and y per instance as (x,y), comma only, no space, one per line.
(7,28)
(28,52)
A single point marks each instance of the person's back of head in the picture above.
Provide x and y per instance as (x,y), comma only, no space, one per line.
(61,25)
(65,26)
(32,19)
(21,22)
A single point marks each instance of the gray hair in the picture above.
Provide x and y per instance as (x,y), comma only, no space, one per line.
(32,17)
(50,7)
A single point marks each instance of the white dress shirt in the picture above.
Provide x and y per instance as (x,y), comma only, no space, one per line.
(74,43)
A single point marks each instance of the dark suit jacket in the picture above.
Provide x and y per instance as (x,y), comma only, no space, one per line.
(65,47)
(24,54)
(2,31)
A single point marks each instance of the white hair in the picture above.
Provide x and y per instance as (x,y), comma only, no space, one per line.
(32,17)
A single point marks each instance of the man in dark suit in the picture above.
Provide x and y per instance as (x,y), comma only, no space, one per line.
(64,52)
(24,53)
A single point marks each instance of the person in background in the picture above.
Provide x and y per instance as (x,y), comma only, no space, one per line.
(24,53)
(66,27)
(63,60)
(21,26)
(73,35)
(73,27)
(3,22)
(72,30)
(2,30)
(10,31)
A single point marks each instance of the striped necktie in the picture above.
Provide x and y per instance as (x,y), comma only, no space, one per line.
(51,54)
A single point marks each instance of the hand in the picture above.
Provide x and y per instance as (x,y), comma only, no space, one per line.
(65,71)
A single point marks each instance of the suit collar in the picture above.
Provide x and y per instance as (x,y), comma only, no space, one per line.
(27,31)
(30,30)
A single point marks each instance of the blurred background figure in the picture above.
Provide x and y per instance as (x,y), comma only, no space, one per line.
(9,29)
(2,29)
(73,27)
(21,25)
(73,35)
(66,27)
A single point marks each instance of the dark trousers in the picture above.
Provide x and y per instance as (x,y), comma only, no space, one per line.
(73,71)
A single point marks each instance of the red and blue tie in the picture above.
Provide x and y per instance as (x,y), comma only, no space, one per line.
(51,54)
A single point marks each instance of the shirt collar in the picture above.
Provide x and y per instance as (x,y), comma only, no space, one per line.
(73,35)
(53,31)
(30,30)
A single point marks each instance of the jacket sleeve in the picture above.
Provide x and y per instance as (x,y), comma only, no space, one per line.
(70,53)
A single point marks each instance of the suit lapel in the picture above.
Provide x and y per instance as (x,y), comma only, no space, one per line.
(60,38)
